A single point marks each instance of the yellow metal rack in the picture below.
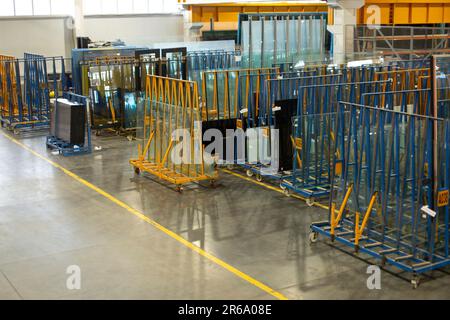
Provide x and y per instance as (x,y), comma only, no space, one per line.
(9,106)
(171,118)
(226,92)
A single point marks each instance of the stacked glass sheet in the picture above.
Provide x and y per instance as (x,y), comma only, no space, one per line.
(270,39)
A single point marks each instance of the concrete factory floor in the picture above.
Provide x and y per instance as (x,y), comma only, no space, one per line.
(49,221)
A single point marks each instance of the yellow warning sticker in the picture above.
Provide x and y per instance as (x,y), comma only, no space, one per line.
(442,198)
(298,143)
(338,169)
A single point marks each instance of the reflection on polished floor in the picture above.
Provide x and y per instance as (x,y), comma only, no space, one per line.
(49,221)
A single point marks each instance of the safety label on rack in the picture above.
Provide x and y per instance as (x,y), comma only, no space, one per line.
(443,198)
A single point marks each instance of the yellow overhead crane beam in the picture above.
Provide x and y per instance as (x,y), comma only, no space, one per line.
(393,12)
(225,14)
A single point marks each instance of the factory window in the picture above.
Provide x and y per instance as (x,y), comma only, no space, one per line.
(36,7)
(62,7)
(125,6)
(140,6)
(23,7)
(41,7)
(94,7)
(7,8)
(90,7)
(156,6)
(170,6)
(109,6)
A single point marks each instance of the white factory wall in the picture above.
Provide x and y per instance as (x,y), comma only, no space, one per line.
(49,36)
(135,29)
(54,36)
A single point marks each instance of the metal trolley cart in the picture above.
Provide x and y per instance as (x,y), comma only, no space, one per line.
(67,148)
(390,200)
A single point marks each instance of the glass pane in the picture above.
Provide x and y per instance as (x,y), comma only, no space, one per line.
(281,41)
(256,27)
(385,156)
(443,85)
(286,39)
(140,103)
(313,141)
(245,44)
(269,38)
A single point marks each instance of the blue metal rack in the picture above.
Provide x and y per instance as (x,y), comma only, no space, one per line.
(198,61)
(313,136)
(37,88)
(29,82)
(277,86)
(389,162)
(63,147)
(318,89)
(79,56)
(326,82)
(311,174)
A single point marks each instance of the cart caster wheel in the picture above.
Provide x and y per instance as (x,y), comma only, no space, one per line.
(383,262)
(130,138)
(313,237)
(415,282)
(179,188)
(16,131)
(230,166)
(97,133)
(282,187)
(310,202)
(287,192)
(249,173)
(259,177)
(137,171)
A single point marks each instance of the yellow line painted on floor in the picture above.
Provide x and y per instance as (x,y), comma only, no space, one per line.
(268,186)
(158,226)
